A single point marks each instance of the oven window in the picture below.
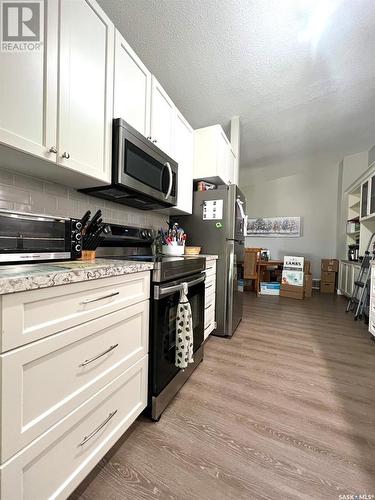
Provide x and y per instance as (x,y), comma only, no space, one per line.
(22,235)
(164,334)
(144,168)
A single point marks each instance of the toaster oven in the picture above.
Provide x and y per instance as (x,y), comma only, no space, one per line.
(26,237)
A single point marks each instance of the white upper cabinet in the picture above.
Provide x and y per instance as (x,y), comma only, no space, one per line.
(162,118)
(57,103)
(132,99)
(184,155)
(213,156)
(86,88)
(28,90)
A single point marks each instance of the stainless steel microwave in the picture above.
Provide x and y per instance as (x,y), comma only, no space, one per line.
(143,176)
(28,237)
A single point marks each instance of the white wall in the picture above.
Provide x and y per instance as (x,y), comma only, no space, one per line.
(308,190)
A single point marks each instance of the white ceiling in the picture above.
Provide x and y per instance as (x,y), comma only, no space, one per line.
(298,94)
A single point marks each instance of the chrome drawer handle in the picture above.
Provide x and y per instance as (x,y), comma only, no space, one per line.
(95,431)
(88,301)
(87,361)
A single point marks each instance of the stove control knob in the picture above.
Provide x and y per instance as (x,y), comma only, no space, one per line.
(149,234)
(77,248)
(78,225)
(144,234)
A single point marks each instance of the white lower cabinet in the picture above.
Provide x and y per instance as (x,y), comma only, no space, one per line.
(348,274)
(70,392)
(371,324)
(54,465)
(210,298)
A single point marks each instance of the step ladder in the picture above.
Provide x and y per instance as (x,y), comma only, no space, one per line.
(357,301)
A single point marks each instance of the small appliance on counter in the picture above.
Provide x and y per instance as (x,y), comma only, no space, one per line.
(353,253)
(26,237)
(167,282)
(143,176)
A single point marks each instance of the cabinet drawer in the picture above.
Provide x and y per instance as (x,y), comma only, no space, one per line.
(209,314)
(55,464)
(209,298)
(210,282)
(32,315)
(46,380)
(210,268)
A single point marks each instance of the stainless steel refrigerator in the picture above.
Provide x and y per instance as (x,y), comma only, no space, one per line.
(217,225)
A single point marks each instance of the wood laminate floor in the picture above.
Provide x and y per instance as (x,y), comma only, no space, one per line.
(283,410)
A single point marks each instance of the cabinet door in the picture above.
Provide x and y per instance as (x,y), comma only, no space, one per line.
(28,92)
(364,198)
(132,99)
(223,157)
(372,195)
(231,168)
(349,279)
(343,273)
(86,88)
(162,118)
(184,155)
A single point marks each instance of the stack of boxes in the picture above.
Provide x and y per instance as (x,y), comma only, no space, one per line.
(328,279)
(296,278)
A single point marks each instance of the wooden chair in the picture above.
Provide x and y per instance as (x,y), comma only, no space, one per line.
(250,272)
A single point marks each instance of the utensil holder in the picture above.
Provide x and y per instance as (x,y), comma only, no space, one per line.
(88,255)
(173,249)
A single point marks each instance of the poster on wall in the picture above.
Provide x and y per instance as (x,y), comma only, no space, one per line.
(274,227)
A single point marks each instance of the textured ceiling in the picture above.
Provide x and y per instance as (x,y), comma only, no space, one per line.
(298,94)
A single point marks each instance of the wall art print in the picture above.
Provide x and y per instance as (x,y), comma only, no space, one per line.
(274,227)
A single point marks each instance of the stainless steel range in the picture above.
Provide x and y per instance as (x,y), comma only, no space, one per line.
(165,379)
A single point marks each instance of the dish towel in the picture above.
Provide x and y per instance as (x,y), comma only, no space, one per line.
(184,331)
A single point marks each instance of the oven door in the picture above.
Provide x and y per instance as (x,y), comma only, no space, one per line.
(163,328)
(142,166)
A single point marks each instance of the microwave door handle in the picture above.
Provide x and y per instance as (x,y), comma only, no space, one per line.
(166,164)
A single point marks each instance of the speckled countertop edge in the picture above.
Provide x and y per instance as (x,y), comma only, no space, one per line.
(20,278)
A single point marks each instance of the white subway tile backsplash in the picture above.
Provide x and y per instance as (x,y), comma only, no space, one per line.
(10,193)
(29,183)
(57,189)
(28,194)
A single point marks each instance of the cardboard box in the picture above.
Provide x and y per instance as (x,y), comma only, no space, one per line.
(330,265)
(292,278)
(270,288)
(308,285)
(327,287)
(292,291)
(328,277)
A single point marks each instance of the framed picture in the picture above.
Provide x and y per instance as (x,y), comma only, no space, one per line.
(274,227)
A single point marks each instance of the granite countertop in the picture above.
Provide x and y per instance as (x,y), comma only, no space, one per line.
(19,278)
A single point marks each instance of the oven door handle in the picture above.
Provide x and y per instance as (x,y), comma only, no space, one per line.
(160,291)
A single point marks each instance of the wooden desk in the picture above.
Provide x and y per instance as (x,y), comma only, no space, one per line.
(261,266)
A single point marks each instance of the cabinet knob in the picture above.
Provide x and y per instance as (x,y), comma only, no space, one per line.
(154,141)
(149,137)
(65,155)
(53,150)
